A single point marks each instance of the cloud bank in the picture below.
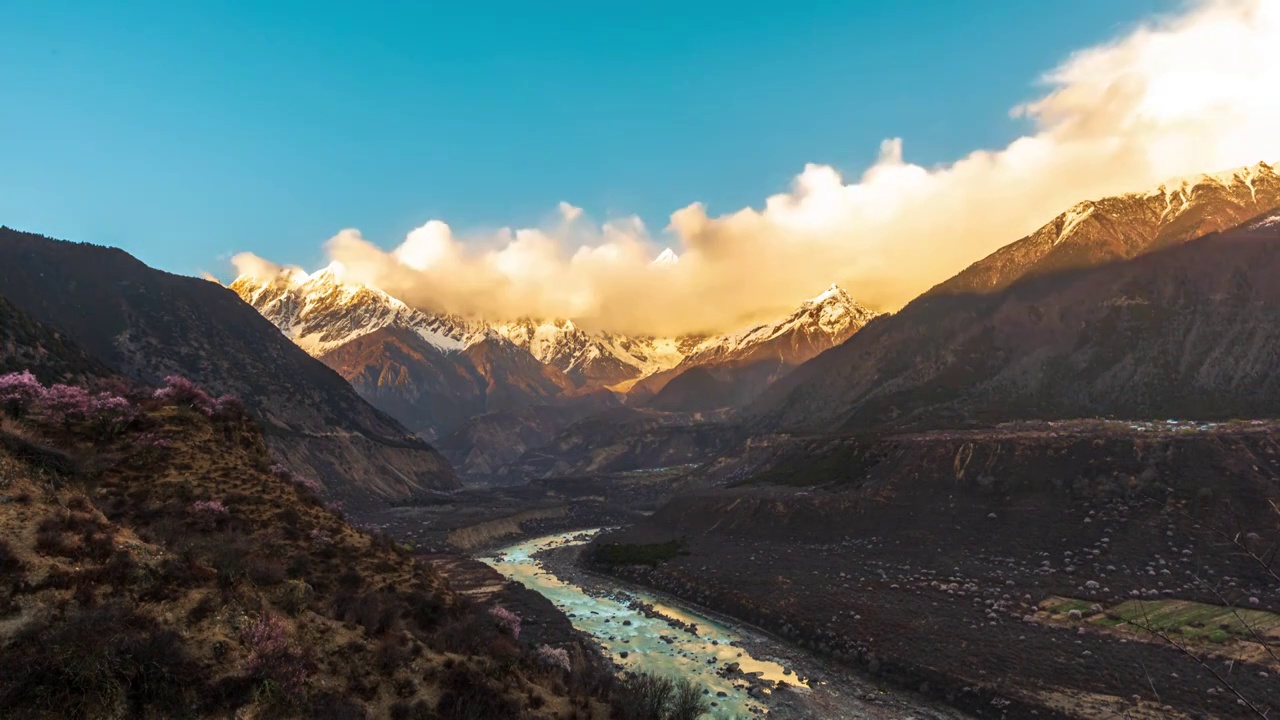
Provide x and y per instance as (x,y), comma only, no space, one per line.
(1188,93)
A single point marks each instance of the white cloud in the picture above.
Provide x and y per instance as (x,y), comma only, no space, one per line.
(1199,91)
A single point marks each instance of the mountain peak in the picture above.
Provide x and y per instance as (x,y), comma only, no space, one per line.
(1246,174)
(833,292)
(827,319)
(667,257)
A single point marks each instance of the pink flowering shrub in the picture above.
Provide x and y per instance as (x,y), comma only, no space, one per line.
(228,407)
(18,392)
(182,392)
(66,404)
(507,621)
(110,414)
(107,412)
(274,656)
(554,657)
(152,440)
(210,512)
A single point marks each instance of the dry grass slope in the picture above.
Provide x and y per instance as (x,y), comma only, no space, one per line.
(171,571)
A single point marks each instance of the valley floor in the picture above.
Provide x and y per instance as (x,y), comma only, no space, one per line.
(980,633)
(836,691)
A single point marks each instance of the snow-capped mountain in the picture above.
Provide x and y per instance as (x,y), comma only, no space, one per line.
(323,310)
(1160,303)
(727,370)
(819,323)
(1125,226)
(595,359)
(434,371)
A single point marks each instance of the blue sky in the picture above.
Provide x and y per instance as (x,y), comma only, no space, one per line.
(186,131)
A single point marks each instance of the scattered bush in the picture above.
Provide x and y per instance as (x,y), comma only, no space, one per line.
(274,657)
(228,408)
(335,706)
(390,654)
(296,596)
(308,485)
(377,612)
(468,695)
(305,483)
(18,392)
(107,661)
(506,621)
(9,562)
(645,696)
(181,392)
(106,413)
(210,509)
(688,703)
(74,535)
(553,657)
(265,571)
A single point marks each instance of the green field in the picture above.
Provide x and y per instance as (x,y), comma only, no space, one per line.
(1182,619)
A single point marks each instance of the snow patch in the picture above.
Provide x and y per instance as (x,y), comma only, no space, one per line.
(1072,218)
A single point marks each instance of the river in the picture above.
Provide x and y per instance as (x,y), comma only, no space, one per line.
(642,643)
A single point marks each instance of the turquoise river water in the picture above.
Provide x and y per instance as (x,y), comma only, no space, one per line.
(697,657)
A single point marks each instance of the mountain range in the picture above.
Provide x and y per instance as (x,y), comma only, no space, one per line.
(435,372)
(1153,304)
(1103,310)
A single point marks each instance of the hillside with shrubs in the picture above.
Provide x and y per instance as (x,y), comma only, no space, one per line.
(157,563)
(145,324)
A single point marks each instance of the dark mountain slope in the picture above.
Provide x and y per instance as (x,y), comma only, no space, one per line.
(411,379)
(147,324)
(25,344)
(1189,331)
(708,387)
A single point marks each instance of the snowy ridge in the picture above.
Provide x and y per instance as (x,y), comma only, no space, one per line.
(1177,192)
(827,319)
(564,345)
(1168,201)
(323,310)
